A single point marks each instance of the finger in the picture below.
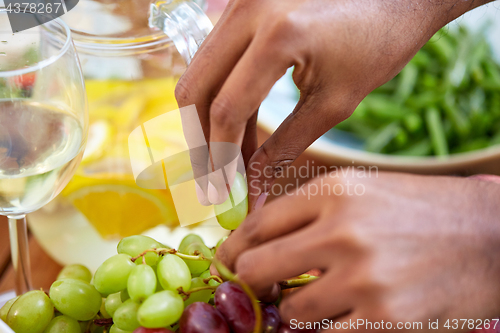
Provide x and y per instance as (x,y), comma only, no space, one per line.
(280,259)
(313,116)
(203,78)
(214,61)
(198,150)
(284,215)
(249,145)
(225,158)
(327,297)
(241,94)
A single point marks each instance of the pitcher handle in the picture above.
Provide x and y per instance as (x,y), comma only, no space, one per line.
(184,22)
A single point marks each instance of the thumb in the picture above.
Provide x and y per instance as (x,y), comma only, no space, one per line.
(313,116)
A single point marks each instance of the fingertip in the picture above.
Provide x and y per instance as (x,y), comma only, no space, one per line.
(202,198)
(261,200)
(213,194)
(217,196)
(270,295)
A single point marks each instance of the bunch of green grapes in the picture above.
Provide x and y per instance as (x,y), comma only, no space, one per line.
(148,287)
(146,284)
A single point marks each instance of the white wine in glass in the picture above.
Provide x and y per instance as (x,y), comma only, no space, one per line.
(43,125)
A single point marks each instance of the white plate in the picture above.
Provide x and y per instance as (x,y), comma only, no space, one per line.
(3,299)
(4,328)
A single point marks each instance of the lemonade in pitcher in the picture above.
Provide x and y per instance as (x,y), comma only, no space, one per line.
(130,74)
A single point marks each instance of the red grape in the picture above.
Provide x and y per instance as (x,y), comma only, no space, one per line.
(201,317)
(152,330)
(236,307)
(270,318)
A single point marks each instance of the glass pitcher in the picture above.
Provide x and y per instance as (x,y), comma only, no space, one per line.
(130,73)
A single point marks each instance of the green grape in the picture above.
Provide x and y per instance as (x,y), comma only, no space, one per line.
(197,267)
(76,271)
(30,313)
(161,309)
(230,217)
(141,283)
(135,245)
(4,311)
(188,240)
(112,303)
(103,311)
(205,275)
(158,284)
(115,329)
(96,329)
(84,326)
(219,243)
(198,296)
(173,273)
(111,277)
(125,317)
(124,295)
(75,298)
(63,324)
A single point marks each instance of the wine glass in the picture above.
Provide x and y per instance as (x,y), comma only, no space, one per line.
(43,125)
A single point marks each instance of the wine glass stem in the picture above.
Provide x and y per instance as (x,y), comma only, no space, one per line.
(20,253)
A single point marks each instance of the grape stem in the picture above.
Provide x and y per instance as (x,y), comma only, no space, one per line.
(163,251)
(188,293)
(199,257)
(213,277)
(103,322)
(299,281)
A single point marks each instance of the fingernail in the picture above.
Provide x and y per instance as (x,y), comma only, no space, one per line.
(213,195)
(201,196)
(261,200)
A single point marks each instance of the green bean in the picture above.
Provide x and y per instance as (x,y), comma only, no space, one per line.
(420,148)
(492,71)
(384,107)
(442,47)
(436,132)
(472,145)
(447,99)
(458,120)
(413,122)
(406,83)
(382,137)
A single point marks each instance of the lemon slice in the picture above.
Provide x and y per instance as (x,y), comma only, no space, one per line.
(119,208)
(100,133)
